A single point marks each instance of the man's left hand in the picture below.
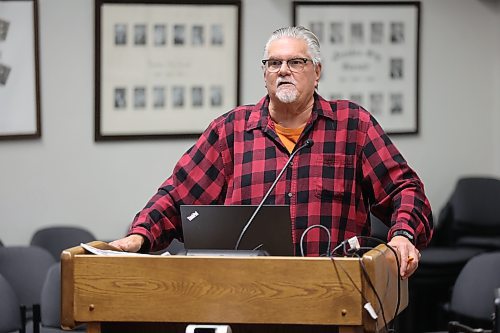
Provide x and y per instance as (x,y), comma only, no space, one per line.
(409,255)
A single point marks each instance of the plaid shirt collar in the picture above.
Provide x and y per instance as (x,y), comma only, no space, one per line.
(259,117)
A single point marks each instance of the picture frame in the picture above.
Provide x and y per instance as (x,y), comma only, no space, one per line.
(20,115)
(164,68)
(370,55)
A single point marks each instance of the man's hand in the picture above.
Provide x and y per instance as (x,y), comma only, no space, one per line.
(130,243)
(409,255)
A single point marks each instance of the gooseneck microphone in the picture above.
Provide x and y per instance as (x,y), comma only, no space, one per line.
(309,143)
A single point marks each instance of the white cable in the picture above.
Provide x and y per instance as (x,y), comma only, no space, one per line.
(307,230)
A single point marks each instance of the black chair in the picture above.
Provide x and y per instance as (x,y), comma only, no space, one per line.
(472,305)
(25,268)
(55,239)
(471,217)
(468,225)
(10,311)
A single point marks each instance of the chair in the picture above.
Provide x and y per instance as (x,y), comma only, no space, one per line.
(50,302)
(474,297)
(55,239)
(25,268)
(10,311)
(471,217)
(468,225)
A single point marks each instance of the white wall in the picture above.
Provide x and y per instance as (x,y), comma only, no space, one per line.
(67,178)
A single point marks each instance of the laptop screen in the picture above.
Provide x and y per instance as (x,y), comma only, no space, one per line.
(218,227)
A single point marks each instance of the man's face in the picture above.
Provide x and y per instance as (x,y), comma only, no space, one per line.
(285,85)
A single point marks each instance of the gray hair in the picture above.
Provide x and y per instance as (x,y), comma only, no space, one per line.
(298,32)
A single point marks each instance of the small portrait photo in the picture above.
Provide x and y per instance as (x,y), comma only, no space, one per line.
(139,97)
(397,32)
(217,34)
(336,32)
(317,29)
(160,34)
(376,103)
(178,96)
(158,97)
(376,32)
(216,96)
(120,98)
(396,68)
(179,34)
(120,34)
(140,34)
(357,33)
(197,37)
(4,29)
(396,103)
(4,74)
(197,96)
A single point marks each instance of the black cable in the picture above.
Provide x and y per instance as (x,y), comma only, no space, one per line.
(398,302)
(365,300)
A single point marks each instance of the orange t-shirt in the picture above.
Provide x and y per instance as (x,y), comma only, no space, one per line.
(289,136)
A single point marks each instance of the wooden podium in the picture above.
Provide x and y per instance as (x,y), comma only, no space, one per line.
(123,293)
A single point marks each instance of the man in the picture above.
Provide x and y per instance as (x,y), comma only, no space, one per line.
(351,168)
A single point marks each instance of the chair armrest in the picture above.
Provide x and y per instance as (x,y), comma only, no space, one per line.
(456,327)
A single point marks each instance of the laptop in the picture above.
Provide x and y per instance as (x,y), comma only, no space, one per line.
(218,227)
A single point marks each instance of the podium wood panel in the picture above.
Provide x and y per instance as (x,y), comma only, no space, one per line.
(241,292)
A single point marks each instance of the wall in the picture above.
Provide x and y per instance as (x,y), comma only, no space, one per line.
(67,178)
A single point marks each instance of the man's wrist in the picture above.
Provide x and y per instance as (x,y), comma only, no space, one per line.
(405,233)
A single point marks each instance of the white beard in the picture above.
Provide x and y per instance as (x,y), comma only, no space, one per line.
(287,93)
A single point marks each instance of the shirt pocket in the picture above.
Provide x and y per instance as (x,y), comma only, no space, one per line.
(333,176)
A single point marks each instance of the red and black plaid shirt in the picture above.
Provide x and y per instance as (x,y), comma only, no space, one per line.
(351,166)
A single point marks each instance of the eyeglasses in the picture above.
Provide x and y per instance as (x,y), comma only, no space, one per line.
(296,65)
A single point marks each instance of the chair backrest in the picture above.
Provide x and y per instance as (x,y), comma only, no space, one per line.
(476,206)
(474,291)
(10,314)
(55,239)
(25,267)
(50,302)
(51,297)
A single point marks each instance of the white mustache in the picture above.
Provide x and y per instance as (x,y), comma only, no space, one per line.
(281,80)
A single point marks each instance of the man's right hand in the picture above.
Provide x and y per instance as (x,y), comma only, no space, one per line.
(130,243)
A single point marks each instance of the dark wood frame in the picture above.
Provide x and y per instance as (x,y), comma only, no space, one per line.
(38,131)
(416,65)
(98,135)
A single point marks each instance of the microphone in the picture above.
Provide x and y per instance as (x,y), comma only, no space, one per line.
(309,143)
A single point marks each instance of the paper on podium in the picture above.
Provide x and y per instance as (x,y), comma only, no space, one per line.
(97,251)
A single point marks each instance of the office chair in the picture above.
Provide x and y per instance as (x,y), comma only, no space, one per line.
(471,217)
(475,294)
(55,239)
(468,225)
(25,268)
(10,311)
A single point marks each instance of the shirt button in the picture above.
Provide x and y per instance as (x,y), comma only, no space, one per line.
(291,163)
(290,194)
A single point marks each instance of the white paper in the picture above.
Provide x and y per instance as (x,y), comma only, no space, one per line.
(97,251)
